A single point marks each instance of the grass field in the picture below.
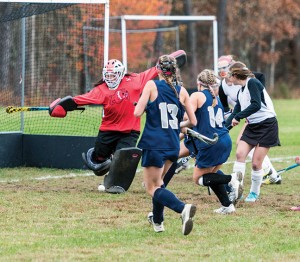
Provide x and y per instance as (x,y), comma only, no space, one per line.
(58,215)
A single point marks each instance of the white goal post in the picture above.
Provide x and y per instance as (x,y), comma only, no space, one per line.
(213,19)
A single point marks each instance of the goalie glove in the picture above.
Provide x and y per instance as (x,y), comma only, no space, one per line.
(61,106)
(180,57)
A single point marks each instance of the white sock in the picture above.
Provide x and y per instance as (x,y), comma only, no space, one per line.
(240,167)
(256,179)
(200,181)
(274,172)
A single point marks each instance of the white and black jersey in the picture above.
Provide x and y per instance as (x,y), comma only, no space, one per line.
(253,104)
(228,93)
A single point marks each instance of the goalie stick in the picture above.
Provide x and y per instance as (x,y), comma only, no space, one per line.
(205,139)
(13,109)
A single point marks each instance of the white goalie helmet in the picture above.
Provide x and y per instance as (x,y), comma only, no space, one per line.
(113,73)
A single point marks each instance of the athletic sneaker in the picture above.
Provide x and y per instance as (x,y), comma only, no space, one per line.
(225,210)
(182,164)
(236,185)
(156,226)
(252,197)
(187,214)
(297,208)
(268,180)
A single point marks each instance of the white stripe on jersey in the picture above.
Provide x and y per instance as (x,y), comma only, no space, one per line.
(231,92)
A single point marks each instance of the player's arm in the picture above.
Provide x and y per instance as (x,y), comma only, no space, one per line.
(61,106)
(255,90)
(223,99)
(148,94)
(236,110)
(189,109)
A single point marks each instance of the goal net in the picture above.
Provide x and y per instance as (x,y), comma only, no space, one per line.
(163,38)
(43,57)
(139,40)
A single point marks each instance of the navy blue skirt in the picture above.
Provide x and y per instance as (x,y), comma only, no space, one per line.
(216,154)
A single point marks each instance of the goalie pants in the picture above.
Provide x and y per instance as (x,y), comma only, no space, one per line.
(108,142)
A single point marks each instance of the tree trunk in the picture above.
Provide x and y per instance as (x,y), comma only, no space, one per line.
(272,66)
(221,16)
(191,40)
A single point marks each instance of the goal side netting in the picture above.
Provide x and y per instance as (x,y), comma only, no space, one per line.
(43,57)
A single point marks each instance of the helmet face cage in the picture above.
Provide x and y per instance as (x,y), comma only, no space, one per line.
(166,65)
(113,73)
(224,63)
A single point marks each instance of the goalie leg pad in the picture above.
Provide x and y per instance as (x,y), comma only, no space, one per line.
(122,170)
(100,169)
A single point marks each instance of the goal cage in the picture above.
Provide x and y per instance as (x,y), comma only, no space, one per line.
(200,54)
(138,41)
(42,58)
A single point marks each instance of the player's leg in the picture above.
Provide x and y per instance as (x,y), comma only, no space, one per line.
(256,173)
(153,163)
(242,151)
(124,163)
(270,174)
(204,177)
(183,152)
(127,140)
(98,158)
(187,151)
(122,170)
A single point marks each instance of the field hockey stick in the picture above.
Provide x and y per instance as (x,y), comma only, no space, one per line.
(13,109)
(205,139)
(287,168)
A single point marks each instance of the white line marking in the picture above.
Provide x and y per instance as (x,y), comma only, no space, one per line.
(48,177)
(87,174)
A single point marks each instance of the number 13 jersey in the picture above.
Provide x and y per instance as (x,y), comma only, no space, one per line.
(163,116)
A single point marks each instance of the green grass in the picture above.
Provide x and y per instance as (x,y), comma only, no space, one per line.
(58,215)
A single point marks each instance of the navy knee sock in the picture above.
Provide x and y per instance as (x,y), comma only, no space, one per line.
(221,194)
(227,187)
(210,179)
(158,210)
(171,172)
(168,199)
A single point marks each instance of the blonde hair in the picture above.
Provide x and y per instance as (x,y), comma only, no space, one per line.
(240,70)
(208,79)
(168,69)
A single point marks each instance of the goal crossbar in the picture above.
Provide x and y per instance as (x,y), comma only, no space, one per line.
(213,19)
(58,1)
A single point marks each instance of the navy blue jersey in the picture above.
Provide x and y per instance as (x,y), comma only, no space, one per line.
(163,116)
(210,119)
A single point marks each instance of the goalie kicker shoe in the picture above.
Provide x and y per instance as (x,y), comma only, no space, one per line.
(268,179)
(156,226)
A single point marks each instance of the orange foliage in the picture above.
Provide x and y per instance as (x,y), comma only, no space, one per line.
(136,54)
(258,22)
